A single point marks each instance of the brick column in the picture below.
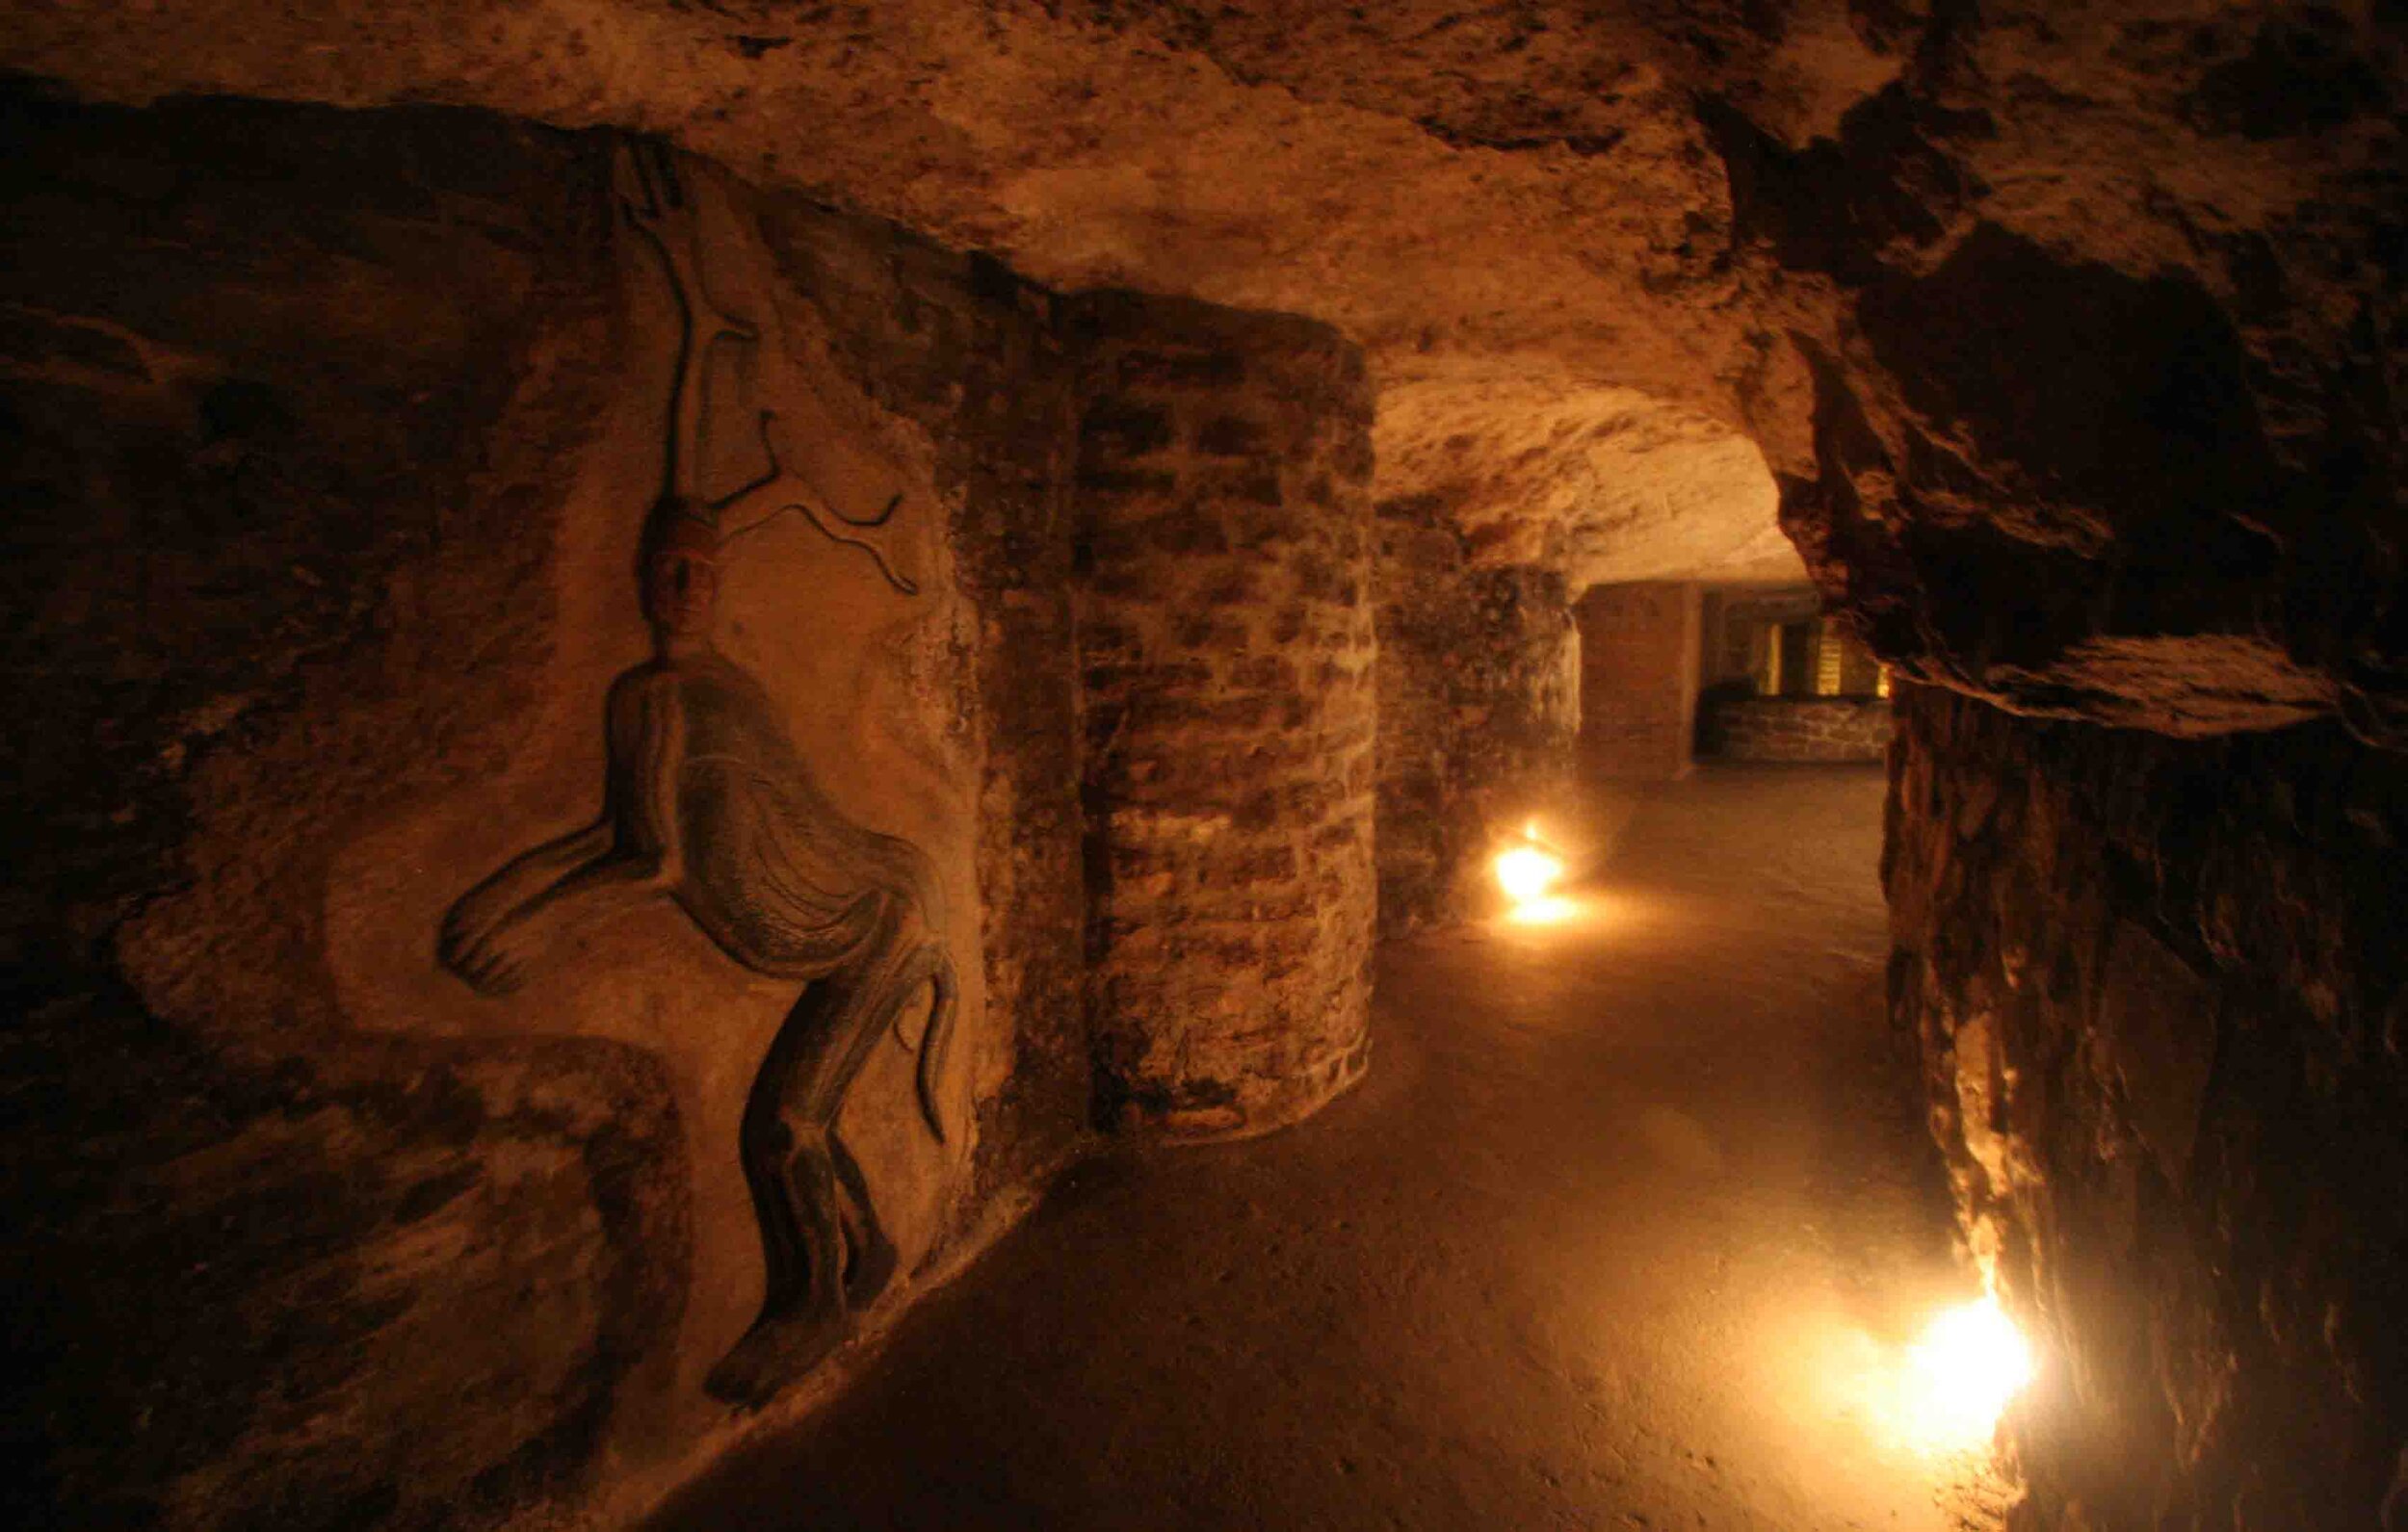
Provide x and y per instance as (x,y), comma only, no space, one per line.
(1639,680)
(1477,712)
(1226,643)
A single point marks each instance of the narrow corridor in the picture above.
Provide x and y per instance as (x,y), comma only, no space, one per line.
(1622,1209)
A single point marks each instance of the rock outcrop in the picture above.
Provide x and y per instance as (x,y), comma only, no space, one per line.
(2162,1002)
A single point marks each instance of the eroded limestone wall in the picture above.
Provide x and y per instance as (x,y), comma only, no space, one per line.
(1225,642)
(1478,711)
(331,439)
(2161,999)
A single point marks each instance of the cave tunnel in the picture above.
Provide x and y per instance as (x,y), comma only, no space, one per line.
(1101,766)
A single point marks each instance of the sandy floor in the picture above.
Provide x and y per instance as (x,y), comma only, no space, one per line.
(1619,1232)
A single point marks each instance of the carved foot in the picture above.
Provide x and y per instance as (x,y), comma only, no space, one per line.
(773,1354)
(871,1269)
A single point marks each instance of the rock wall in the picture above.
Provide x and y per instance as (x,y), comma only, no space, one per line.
(1226,641)
(1825,729)
(331,441)
(1639,664)
(2162,1001)
(1478,710)
(283,414)
(2138,467)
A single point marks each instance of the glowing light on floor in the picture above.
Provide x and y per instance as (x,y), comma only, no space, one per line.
(1528,872)
(1969,1364)
(1936,1397)
(1548,909)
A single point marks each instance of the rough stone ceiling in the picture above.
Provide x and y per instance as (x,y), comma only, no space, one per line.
(1604,484)
(1543,220)
(1470,192)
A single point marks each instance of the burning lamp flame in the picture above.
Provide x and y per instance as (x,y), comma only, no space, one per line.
(1969,1363)
(1528,872)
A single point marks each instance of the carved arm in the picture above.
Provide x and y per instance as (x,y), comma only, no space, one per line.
(633,857)
(477,911)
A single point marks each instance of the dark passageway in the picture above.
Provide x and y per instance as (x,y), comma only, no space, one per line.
(1595,1245)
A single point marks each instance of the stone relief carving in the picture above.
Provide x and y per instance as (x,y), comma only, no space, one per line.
(707,802)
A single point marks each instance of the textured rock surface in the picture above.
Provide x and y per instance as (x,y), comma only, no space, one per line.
(2071,339)
(263,1233)
(2162,1001)
(2109,421)
(330,436)
(1225,645)
(1478,711)
(1796,728)
(1604,485)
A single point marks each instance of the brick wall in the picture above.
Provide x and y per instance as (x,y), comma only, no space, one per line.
(1477,712)
(1638,679)
(1226,644)
(1834,729)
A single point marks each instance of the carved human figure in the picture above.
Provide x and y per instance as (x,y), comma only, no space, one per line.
(707,802)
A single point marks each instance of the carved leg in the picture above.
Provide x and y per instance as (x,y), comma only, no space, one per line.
(822,1241)
(868,1254)
(886,982)
(768,1148)
(794,1335)
(770,1138)
(869,996)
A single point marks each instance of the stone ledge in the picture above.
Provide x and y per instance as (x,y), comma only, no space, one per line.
(1822,729)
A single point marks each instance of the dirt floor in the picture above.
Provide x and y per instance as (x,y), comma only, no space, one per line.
(1620,1232)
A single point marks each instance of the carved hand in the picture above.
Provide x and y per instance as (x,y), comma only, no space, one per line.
(495,960)
(471,918)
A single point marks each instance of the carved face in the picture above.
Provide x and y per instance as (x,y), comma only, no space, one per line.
(681,581)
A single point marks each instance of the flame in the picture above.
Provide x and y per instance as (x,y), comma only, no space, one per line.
(1526,873)
(1529,871)
(1960,1375)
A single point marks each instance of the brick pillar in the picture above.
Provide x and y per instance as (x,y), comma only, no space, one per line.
(1226,642)
(1477,712)
(1639,680)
